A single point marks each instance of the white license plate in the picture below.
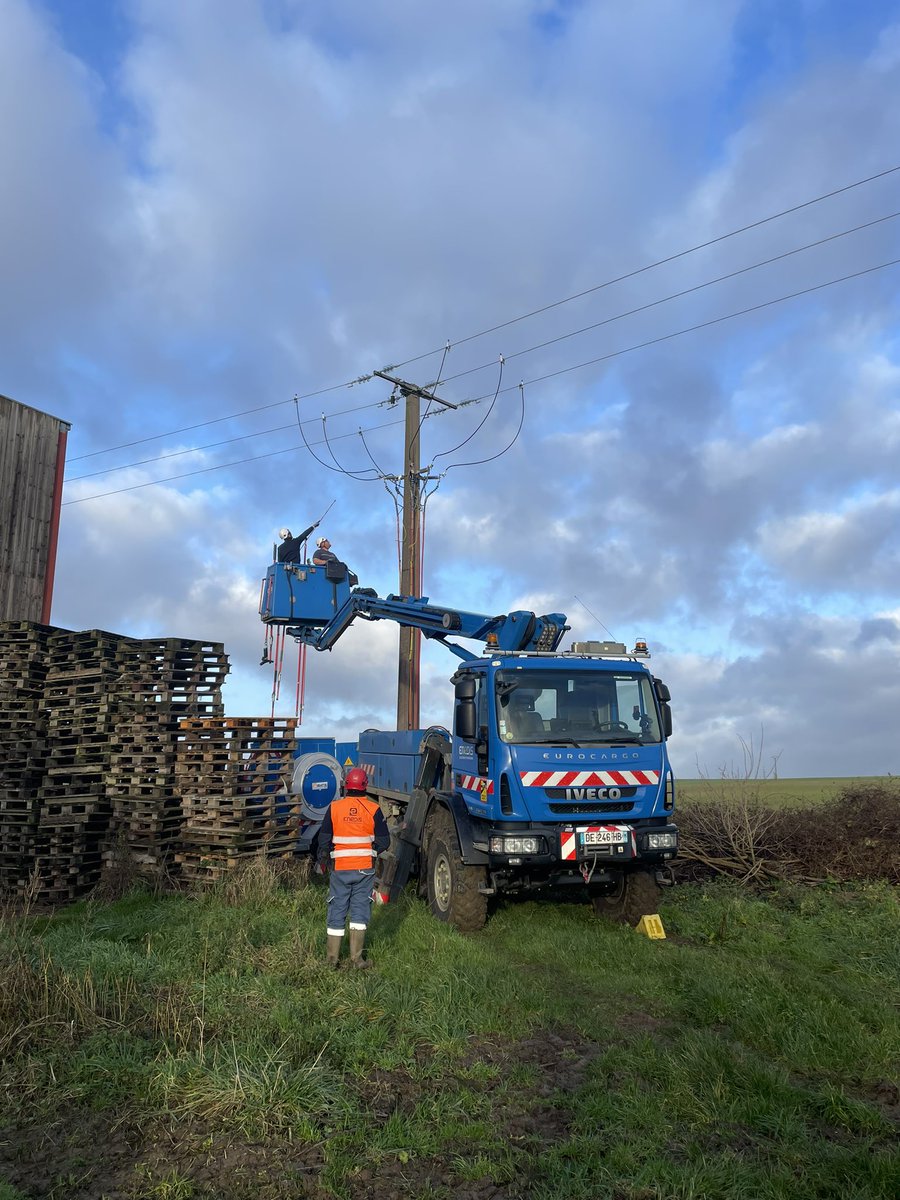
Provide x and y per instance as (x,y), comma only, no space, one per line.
(604,837)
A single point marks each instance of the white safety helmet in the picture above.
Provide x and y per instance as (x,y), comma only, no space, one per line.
(284,533)
(321,541)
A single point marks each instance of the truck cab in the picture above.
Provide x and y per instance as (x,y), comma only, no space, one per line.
(559,762)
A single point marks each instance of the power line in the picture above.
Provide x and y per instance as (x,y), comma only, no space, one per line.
(666,337)
(660,262)
(337,466)
(154,437)
(243,437)
(517,354)
(697,287)
(453,449)
(538,378)
(218,467)
(364,378)
(480,461)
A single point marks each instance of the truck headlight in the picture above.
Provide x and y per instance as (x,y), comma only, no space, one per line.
(515,845)
(662,841)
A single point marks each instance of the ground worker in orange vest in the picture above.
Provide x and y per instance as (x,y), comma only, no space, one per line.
(353,833)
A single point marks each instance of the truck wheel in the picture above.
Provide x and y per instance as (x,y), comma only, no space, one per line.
(637,895)
(452,888)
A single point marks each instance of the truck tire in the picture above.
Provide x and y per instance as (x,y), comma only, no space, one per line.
(452,888)
(637,896)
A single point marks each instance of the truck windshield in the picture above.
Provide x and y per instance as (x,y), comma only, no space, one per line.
(581,708)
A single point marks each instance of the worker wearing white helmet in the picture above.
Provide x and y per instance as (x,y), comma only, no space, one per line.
(291,547)
(324,555)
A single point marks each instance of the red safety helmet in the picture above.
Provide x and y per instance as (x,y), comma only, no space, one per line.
(356,780)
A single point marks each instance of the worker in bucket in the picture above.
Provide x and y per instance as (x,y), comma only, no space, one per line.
(289,550)
(323,552)
(324,555)
(353,833)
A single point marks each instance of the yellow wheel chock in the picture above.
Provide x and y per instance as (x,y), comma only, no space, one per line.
(651,927)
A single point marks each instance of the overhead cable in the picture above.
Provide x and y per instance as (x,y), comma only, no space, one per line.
(480,461)
(697,287)
(218,467)
(666,337)
(154,437)
(517,354)
(538,378)
(363,378)
(535,312)
(453,449)
(361,476)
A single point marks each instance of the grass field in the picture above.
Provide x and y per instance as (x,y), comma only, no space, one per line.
(778,792)
(187,1047)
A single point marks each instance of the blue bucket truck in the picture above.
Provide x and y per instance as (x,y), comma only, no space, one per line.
(553,776)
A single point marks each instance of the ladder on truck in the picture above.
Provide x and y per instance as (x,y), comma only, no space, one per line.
(406,840)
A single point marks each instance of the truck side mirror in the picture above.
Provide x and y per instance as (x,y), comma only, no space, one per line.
(662,692)
(465,688)
(666,718)
(466,723)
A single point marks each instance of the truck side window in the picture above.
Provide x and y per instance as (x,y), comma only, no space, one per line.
(481,707)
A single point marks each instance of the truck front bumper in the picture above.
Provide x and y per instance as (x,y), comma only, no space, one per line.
(550,847)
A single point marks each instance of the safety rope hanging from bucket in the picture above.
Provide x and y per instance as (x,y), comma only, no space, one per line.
(278,661)
(301,683)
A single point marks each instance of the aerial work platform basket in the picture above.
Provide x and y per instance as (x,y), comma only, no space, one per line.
(303,594)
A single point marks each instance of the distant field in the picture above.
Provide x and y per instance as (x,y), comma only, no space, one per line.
(781,793)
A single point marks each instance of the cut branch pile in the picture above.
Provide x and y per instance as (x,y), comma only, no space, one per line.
(855,836)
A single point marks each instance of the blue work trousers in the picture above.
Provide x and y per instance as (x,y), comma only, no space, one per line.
(350,890)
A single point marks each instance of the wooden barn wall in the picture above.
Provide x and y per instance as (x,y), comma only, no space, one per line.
(28,448)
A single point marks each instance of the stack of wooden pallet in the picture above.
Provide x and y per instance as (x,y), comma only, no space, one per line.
(114,754)
(233,775)
(165,681)
(89,729)
(23,745)
(81,698)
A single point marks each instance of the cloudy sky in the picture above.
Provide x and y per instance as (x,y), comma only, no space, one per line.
(210,208)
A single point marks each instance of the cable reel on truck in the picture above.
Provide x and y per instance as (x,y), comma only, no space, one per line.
(316,782)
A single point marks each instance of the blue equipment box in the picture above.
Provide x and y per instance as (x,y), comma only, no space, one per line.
(342,751)
(392,758)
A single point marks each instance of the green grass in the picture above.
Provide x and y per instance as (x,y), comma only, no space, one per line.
(194,1047)
(781,793)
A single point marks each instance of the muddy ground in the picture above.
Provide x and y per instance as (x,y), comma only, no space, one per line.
(102,1156)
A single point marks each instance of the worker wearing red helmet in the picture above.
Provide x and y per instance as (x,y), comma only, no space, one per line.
(353,833)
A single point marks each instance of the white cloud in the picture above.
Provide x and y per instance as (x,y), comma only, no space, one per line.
(293,194)
(855,548)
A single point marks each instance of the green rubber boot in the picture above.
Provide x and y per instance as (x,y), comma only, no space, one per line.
(357,942)
(334,950)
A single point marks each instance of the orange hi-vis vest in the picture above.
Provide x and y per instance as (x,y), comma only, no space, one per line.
(353,832)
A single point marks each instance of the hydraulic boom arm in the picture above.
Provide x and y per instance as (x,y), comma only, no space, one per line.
(318,611)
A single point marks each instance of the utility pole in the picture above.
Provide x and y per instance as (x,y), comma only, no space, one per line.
(411,548)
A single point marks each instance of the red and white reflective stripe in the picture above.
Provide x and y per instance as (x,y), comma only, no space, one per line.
(589,778)
(369,770)
(474,783)
(568,844)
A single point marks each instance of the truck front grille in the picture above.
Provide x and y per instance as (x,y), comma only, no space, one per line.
(622,806)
